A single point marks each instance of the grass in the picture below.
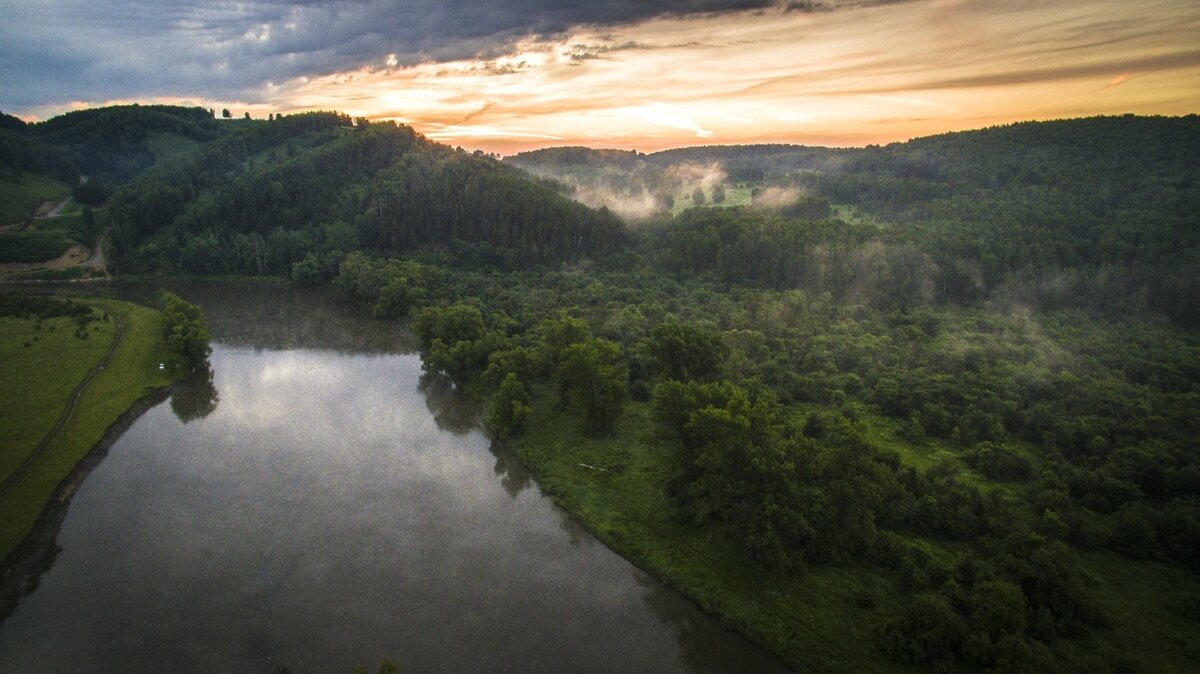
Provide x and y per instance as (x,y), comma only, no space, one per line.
(20,198)
(64,274)
(809,620)
(1139,598)
(33,246)
(816,620)
(43,362)
(35,383)
(169,145)
(854,216)
(735,195)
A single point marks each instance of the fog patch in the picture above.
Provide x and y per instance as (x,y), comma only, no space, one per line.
(777,197)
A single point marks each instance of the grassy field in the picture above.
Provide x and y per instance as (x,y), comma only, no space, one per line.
(168,146)
(852,215)
(47,238)
(735,195)
(824,618)
(18,200)
(36,246)
(34,386)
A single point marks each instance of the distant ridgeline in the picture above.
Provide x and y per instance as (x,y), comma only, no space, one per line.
(108,145)
(1100,213)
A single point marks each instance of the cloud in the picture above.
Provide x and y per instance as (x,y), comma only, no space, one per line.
(509,75)
(84,50)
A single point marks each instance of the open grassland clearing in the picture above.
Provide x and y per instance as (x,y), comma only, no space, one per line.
(37,381)
(21,197)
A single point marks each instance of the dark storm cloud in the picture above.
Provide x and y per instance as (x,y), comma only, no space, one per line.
(811,6)
(85,50)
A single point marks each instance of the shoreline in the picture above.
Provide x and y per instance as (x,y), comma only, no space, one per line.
(21,571)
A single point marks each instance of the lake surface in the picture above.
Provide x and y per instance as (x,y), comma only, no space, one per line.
(320,503)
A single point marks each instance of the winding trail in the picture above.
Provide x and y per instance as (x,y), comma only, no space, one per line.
(59,208)
(52,435)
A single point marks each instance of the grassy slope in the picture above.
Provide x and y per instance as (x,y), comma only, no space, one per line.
(1139,599)
(735,195)
(37,379)
(167,146)
(809,619)
(132,374)
(18,201)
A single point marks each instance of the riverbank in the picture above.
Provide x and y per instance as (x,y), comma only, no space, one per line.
(615,487)
(40,380)
(22,569)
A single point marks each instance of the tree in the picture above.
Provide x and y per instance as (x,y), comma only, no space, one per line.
(453,324)
(554,335)
(592,375)
(698,196)
(510,408)
(998,608)
(687,351)
(225,113)
(247,114)
(184,332)
(929,632)
(718,193)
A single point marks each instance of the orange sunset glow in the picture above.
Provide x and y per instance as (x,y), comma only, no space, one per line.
(870,75)
(851,74)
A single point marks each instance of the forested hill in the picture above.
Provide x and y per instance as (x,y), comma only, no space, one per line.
(1101,213)
(108,146)
(316,186)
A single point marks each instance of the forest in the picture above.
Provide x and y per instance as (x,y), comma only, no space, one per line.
(965,367)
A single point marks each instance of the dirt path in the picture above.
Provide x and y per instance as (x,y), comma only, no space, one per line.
(63,418)
(97,260)
(59,208)
(75,256)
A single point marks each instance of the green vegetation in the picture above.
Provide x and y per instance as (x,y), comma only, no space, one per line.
(47,347)
(945,443)
(64,274)
(37,246)
(185,336)
(885,420)
(22,193)
(312,188)
(46,238)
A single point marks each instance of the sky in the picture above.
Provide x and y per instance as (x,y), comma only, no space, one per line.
(510,75)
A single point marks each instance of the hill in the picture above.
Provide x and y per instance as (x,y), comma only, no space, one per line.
(313,187)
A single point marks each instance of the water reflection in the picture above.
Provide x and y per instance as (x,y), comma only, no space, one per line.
(514,476)
(195,396)
(264,315)
(335,508)
(453,410)
(575,532)
(703,649)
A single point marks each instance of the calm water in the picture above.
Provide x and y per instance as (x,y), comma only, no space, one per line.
(320,504)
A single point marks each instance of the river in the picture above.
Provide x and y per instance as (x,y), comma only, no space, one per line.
(320,503)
